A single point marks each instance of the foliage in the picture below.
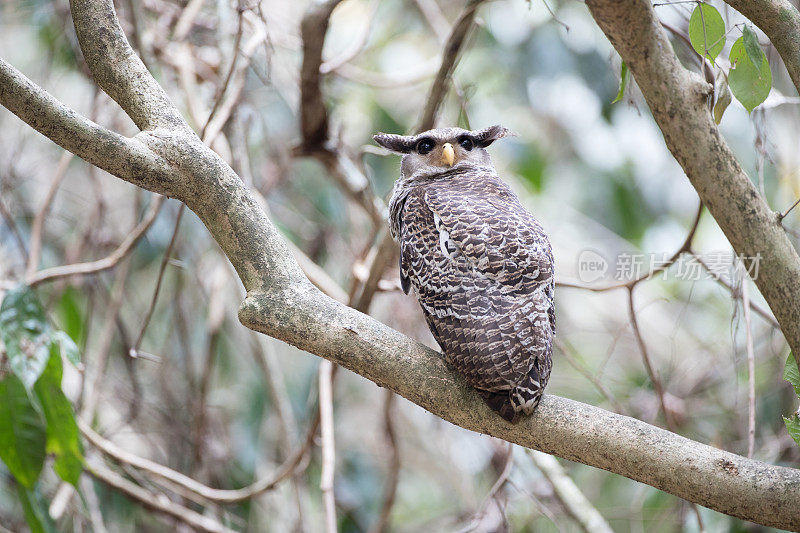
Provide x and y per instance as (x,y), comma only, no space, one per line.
(792,375)
(35,416)
(749,77)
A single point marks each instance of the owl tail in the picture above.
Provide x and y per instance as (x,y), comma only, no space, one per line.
(510,405)
(501,403)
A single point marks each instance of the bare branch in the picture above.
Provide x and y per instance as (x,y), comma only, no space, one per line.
(569,494)
(390,491)
(314,115)
(118,70)
(161,270)
(148,499)
(289,466)
(38,221)
(107,262)
(751,369)
(450,56)
(118,155)
(678,101)
(328,447)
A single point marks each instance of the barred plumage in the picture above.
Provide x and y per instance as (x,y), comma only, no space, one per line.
(480,264)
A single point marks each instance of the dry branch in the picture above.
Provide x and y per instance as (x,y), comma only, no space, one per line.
(107,262)
(289,466)
(450,54)
(678,101)
(160,504)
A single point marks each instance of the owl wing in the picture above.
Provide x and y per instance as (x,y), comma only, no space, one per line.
(485,281)
(500,238)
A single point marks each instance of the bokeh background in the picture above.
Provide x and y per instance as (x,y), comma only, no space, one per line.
(226,406)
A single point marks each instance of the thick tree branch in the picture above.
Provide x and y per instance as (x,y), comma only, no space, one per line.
(114,153)
(314,115)
(780,20)
(677,99)
(729,483)
(281,302)
(118,70)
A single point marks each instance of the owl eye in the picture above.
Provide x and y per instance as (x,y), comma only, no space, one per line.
(466,144)
(425,146)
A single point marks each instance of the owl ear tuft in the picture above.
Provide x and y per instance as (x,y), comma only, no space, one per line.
(487,136)
(401,144)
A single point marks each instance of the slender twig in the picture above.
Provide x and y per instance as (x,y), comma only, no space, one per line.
(450,56)
(328,445)
(286,469)
(686,246)
(355,48)
(379,80)
(434,17)
(567,351)
(38,221)
(390,490)
(186,19)
(89,492)
(647,363)
(385,251)
(222,89)
(490,497)
(668,418)
(783,215)
(751,367)
(757,309)
(568,493)
(148,499)
(164,261)
(110,260)
(14,230)
(96,369)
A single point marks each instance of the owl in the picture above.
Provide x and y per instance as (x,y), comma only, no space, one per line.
(480,264)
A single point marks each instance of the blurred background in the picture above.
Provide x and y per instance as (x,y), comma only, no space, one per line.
(209,398)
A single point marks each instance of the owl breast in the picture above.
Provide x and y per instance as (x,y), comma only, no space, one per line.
(481,268)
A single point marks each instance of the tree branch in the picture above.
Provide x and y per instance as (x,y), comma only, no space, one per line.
(114,153)
(678,101)
(728,483)
(450,55)
(780,20)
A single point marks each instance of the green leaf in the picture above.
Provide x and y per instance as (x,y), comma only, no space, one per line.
(751,45)
(36,513)
(63,438)
(624,76)
(723,101)
(22,432)
(707,31)
(791,374)
(750,82)
(25,333)
(70,316)
(793,427)
(67,347)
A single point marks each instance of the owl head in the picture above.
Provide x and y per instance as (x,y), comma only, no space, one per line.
(441,150)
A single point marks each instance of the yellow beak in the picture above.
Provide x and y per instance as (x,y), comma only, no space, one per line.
(448,154)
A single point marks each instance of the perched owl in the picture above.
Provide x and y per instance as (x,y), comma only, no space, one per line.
(480,264)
